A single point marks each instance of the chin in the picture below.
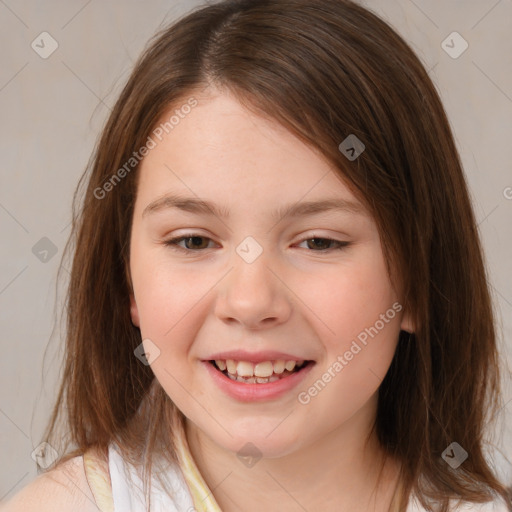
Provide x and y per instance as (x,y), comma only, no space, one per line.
(257,443)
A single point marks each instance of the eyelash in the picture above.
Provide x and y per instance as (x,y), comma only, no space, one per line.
(173,243)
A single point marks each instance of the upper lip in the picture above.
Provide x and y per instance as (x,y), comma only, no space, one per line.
(254,357)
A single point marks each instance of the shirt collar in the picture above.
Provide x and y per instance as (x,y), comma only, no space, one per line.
(202,497)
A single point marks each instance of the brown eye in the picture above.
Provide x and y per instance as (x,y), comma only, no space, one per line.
(325,244)
(195,242)
(192,242)
(319,243)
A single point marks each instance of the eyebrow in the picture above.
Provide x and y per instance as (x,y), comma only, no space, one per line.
(201,206)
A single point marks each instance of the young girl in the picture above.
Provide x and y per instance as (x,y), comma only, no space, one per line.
(278,299)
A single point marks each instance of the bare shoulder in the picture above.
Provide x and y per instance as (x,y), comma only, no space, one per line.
(64,488)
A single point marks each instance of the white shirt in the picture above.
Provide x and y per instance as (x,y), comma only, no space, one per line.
(127,488)
(127,492)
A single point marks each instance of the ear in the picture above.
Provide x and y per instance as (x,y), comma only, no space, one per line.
(407,324)
(134,311)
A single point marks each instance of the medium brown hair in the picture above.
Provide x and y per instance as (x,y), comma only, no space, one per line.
(324,69)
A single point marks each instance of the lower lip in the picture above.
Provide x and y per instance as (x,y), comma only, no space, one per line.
(256,392)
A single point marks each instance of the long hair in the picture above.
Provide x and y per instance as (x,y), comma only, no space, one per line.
(323,69)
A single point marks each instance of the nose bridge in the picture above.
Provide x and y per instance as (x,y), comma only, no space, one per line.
(251,293)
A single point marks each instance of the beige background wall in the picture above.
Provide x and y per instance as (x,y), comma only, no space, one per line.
(52,110)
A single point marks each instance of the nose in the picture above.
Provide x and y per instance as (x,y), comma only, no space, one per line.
(253,295)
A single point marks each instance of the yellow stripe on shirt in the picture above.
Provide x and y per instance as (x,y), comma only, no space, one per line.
(202,497)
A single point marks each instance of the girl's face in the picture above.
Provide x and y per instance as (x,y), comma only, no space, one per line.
(243,276)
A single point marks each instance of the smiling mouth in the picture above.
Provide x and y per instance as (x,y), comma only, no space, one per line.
(261,373)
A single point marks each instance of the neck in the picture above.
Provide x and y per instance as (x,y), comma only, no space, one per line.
(344,469)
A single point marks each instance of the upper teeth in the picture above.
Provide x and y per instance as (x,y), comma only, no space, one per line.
(263,369)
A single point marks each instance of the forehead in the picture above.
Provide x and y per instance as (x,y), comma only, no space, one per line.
(222,150)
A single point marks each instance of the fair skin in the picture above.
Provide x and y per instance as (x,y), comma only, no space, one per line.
(64,488)
(303,298)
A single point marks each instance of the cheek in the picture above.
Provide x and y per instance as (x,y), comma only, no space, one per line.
(358,316)
(169,302)
(364,317)
(165,293)
(353,299)
(170,299)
